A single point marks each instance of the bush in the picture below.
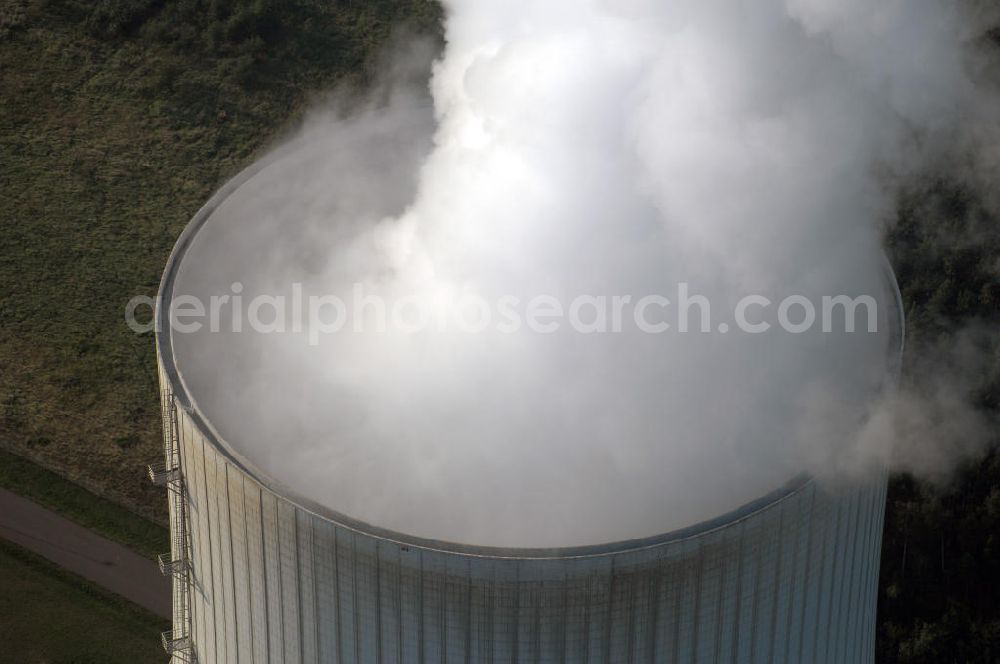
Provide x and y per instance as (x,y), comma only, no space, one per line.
(112,19)
(13,15)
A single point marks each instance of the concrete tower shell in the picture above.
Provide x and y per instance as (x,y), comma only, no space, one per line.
(263,575)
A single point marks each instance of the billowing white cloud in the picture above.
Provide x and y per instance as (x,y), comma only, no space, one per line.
(583,148)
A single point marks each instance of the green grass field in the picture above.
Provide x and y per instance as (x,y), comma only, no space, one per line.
(48,616)
(118,120)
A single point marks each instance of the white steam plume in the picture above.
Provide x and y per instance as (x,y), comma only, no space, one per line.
(584,147)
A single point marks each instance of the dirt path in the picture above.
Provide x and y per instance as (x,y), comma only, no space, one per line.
(84,552)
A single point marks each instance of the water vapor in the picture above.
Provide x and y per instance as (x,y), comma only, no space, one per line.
(567,148)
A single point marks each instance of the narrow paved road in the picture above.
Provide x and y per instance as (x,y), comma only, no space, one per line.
(84,552)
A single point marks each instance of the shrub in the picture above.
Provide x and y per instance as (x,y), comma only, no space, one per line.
(111,19)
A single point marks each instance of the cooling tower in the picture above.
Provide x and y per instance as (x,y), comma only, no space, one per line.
(261,574)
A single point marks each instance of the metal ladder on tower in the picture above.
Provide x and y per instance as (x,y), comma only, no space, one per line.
(175,564)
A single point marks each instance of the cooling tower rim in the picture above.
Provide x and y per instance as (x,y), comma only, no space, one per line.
(184,400)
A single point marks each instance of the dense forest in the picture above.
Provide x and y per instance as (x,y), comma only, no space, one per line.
(941,547)
(119,117)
